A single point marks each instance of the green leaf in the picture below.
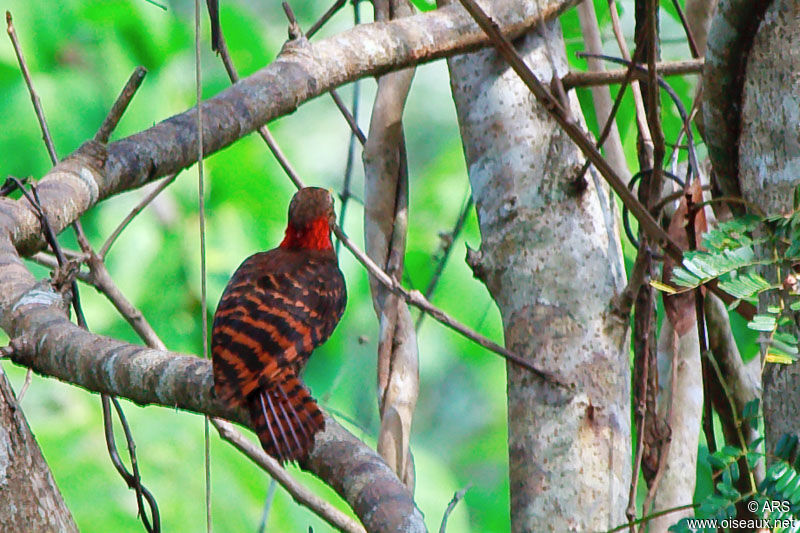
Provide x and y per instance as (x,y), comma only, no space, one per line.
(762,323)
(715,461)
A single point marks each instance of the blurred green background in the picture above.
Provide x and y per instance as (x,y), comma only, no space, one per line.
(80,54)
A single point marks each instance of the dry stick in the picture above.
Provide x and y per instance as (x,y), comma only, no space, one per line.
(663,452)
(351,120)
(640,269)
(339,4)
(263,131)
(133,480)
(415,298)
(457,497)
(606,131)
(664,68)
(419,301)
(120,105)
(689,37)
(144,202)
(601,96)
(37,104)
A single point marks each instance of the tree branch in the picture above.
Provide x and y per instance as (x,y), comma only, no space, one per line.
(47,342)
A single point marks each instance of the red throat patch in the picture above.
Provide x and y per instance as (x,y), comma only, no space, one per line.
(315,236)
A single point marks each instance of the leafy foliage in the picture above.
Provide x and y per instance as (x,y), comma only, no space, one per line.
(739,253)
(777,497)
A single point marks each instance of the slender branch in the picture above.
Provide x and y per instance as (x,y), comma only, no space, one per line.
(37,103)
(339,4)
(135,211)
(664,68)
(299,492)
(457,497)
(419,301)
(120,105)
(351,120)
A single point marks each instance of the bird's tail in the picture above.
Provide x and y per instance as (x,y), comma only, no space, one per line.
(286,418)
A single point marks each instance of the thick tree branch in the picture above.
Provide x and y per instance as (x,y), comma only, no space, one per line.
(301,72)
(44,340)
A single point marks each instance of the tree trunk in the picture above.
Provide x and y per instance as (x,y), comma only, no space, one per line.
(551,259)
(29,497)
(769,168)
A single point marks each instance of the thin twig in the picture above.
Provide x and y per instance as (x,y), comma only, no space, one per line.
(638,102)
(419,301)
(339,4)
(664,68)
(262,524)
(37,104)
(144,202)
(351,121)
(299,492)
(689,36)
(457,497)
(120,105)
(649,517)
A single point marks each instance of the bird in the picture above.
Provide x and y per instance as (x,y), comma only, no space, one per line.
(276,309)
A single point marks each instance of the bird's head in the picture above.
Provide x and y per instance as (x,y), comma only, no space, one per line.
(311,219)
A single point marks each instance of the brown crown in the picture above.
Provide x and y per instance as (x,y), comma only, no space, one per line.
(309,204)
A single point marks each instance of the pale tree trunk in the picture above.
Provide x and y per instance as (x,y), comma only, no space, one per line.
(551,258)
(769,168)
(29,497)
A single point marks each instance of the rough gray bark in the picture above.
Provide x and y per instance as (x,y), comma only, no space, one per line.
(551,259)
(29,497)
(769,168)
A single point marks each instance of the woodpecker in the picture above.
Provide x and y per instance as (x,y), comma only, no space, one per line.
(276,309)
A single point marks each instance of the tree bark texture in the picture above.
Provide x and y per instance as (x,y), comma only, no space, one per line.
(551,259)
(29,497)
(769,166)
